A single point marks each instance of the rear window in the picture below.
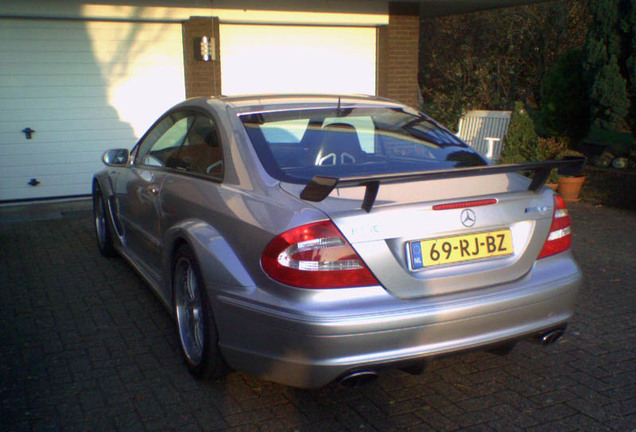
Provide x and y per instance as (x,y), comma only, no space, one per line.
(296,145)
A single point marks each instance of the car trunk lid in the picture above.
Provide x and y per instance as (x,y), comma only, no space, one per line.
(406,216)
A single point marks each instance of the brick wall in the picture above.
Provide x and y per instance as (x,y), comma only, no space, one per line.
(201,78)
(397,54)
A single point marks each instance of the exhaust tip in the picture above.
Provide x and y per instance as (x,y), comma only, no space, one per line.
(358,378)
(550,337)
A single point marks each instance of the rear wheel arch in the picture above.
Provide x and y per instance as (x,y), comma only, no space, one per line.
(171,260)
(176,244)
(181,240)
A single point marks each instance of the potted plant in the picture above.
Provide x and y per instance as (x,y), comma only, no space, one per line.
(550,149)
(570,186)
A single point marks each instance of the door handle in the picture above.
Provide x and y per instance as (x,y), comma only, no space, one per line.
(152,189)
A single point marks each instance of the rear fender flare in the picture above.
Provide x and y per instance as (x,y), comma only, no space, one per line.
(220,266)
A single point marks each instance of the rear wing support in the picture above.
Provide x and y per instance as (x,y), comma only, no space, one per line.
(320,187)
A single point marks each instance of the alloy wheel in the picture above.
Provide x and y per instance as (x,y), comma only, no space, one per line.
(100,220)
(189,309)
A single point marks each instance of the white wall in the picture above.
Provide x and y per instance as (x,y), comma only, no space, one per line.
(341,12)
(295,59)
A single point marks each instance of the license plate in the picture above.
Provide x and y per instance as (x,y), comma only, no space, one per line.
(460,248)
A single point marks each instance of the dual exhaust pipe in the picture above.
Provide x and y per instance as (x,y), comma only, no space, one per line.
(358,378)
(361,377)
(550,337)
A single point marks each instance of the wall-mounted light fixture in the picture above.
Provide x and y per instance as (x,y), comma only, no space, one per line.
(204,49)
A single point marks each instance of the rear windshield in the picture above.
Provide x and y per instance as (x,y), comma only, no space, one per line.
(296,145)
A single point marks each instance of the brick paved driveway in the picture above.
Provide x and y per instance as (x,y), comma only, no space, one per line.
(85,346)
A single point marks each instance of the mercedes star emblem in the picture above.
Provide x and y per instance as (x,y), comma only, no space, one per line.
(468,218)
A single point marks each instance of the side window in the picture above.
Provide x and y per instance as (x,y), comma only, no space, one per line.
(201,150)
(160,148)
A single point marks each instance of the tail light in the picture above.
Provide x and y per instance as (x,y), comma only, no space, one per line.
(315,256)
(560,237)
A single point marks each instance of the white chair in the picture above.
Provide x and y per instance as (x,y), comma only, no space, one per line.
(484,131)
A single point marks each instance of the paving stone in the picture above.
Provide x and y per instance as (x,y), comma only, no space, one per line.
(438,421)
(85,345)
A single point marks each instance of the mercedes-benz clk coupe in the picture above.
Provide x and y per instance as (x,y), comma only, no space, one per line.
(307,239)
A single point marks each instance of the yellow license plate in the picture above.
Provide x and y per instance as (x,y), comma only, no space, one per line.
(460,248)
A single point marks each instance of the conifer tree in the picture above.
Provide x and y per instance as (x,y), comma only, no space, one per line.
(609,97)
(565,99)
(629,29)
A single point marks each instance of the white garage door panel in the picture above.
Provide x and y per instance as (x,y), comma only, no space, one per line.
(54,51)
(45,105)
(16,162)
(54,59)
(121,136)
(52,69)
(51,183)
(269,59)
(84,87)
(62,80)
(51,186)
(136,84)
(66,82)
(61,147)
(70,126)
(57,114)
(49,165)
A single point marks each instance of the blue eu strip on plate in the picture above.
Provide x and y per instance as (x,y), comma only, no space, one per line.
(416,254)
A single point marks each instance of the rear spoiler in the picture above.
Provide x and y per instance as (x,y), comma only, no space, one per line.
(320,187)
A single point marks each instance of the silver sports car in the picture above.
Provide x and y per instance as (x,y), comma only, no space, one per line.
(307,239)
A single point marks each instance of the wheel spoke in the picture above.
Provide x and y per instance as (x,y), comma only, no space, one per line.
(99,219)
(198,329)
(191,285)
(188,306)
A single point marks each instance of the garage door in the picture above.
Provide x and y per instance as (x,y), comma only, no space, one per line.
(83,87)
(270,59)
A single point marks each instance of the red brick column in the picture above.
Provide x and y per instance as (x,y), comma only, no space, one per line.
(201,78)
(397,54)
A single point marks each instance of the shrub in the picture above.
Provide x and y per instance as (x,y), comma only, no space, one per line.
(523,145)
(521,139)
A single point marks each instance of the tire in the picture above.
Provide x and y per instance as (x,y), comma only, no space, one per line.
(196,328)
(102,227)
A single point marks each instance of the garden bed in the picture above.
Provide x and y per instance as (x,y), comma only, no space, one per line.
(610,187)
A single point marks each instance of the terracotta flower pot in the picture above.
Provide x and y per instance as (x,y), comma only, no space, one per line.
(570,188)
(552,186)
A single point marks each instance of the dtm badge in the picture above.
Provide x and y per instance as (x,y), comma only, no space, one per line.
(468,218)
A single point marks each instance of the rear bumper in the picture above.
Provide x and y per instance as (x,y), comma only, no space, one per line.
(317,338)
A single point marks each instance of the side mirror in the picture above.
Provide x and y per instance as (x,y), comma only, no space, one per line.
(116,157)
(574,170)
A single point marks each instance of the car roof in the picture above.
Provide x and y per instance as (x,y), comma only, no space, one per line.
(248,104)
